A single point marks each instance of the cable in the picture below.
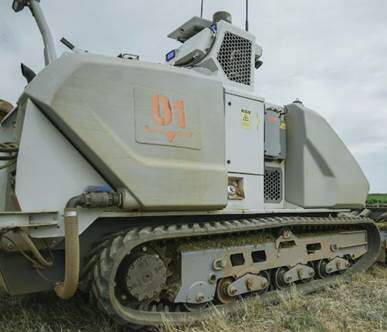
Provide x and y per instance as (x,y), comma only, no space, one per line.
(26,256)
(38,267)
(35,251)
(202,9)
(40,273)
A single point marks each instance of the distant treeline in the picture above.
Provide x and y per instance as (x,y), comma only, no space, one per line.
(377,199)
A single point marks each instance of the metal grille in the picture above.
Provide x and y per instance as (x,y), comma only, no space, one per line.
(273,185)
(235,58)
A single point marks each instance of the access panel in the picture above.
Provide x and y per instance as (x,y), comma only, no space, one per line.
(244,135)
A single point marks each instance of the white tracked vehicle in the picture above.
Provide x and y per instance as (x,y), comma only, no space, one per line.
(164,190)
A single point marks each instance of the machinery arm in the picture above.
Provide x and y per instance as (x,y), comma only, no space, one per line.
(36,10)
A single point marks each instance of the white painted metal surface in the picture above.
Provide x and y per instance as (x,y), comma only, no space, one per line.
(244,135)
(49,170)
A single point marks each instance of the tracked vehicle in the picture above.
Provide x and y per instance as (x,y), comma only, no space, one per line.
(165,190)
(378,212)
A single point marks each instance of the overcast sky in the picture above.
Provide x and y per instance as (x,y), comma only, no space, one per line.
(330,54)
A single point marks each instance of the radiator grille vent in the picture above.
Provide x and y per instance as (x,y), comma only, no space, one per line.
(235,58)
(273,185)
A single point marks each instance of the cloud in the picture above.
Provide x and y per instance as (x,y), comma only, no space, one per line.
(331,54)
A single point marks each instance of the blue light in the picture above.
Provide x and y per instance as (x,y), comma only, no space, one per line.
(171,55)
(99,188)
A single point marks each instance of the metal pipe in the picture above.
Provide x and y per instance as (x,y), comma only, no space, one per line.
(67,289)
(37,255)
(49,45)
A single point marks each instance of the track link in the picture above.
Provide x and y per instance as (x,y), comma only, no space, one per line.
(105,263)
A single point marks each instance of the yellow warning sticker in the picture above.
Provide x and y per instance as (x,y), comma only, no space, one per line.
(283,125)
(246,119)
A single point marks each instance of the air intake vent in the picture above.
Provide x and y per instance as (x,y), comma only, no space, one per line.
(273,185)
(235,58)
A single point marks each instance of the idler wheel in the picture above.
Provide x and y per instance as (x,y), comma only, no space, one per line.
(321,268)
(191,307)
(222,291)
(279,278)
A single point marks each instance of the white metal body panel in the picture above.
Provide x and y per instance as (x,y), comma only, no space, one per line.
(194,49)
(244,135)
(180,111)
(212,64)
(49,170)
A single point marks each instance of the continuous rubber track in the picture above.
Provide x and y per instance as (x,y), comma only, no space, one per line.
(108,256)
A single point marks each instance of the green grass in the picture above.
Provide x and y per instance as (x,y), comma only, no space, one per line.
(377,199)
(46,313)
(357,305)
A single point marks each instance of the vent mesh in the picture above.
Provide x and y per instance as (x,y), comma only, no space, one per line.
(235,58)
(273,185)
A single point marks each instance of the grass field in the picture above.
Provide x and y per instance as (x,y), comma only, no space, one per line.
(377,199)
(357,305)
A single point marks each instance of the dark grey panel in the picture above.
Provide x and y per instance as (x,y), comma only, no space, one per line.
(275,135)
(273,185)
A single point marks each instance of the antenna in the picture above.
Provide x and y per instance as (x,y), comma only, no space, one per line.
(247,15)
(202,9)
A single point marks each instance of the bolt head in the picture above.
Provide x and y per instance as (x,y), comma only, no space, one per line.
(334,247)
(212,278)
(232,291)
(200,298)
(249,284)
(219,264)
(231,190)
